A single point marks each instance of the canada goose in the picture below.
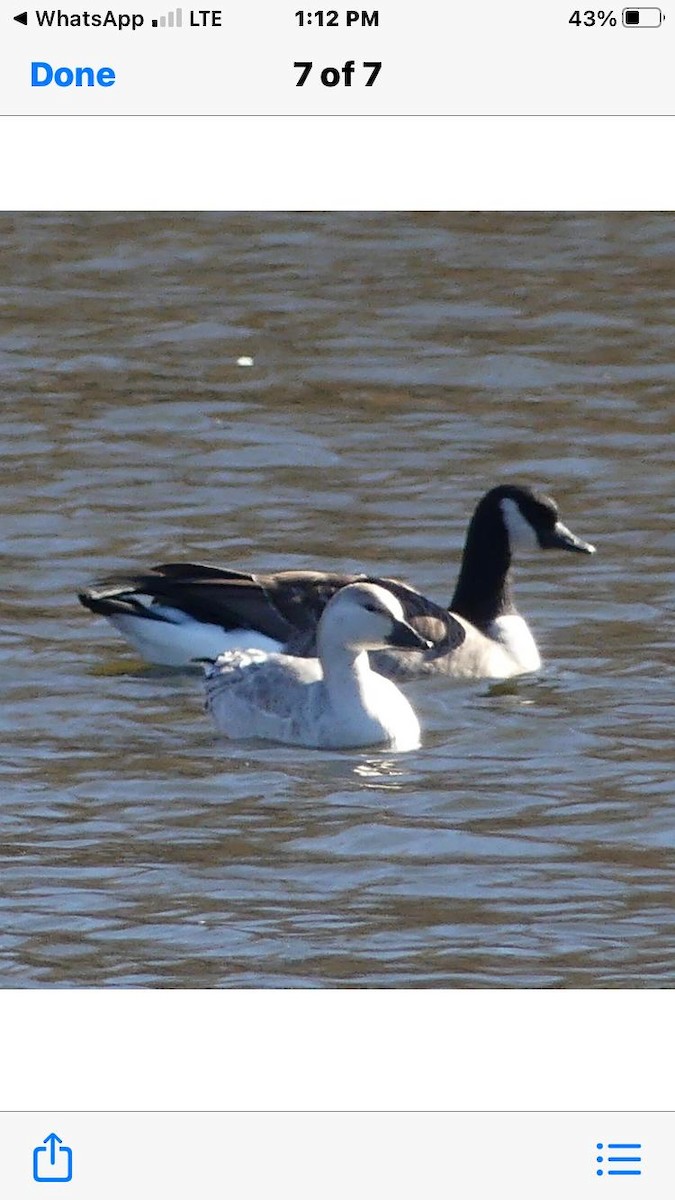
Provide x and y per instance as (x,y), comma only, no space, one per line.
(332,701)
(180,612)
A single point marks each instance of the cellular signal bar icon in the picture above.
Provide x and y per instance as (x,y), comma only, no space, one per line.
(172,20)
(620,1162)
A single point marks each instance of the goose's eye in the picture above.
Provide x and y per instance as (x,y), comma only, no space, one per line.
(551,513)
(544,517)
(371,608)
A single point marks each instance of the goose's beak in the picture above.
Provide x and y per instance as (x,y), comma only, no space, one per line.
(404,637)
(562,538)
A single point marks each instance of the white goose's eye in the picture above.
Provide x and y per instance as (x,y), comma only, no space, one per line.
(372,608)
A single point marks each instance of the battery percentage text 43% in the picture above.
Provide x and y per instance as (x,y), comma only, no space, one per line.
(592,17)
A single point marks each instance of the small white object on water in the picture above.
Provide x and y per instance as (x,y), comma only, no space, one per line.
(244,361)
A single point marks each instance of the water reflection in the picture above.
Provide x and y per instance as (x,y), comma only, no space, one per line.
(386,772)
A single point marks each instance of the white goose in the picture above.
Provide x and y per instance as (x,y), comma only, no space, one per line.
(180,612)
(335,701)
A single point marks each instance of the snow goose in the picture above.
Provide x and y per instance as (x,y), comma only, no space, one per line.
(333,701)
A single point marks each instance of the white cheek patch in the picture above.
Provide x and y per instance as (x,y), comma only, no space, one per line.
(521,534)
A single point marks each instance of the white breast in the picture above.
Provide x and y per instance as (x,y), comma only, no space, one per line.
(513,634)
(286,699)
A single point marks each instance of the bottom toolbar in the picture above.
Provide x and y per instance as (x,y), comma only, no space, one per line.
(300,1155)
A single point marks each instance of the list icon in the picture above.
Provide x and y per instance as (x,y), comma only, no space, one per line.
(619,1158)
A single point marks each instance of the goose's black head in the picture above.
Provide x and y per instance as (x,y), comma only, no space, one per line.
(530,520)
(507,519)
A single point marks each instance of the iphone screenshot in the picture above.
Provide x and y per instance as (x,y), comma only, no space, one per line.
(337,440)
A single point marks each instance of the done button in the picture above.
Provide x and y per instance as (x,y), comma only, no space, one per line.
(42,74)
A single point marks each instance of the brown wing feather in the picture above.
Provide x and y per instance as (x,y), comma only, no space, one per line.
(434,623)
(231,599)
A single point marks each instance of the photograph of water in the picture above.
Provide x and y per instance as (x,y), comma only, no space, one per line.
(336,392)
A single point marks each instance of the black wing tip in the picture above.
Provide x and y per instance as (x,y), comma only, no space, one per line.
(116,604)
(102,607)
(88,600)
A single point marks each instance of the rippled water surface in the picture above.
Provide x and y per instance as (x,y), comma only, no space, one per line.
(402,365)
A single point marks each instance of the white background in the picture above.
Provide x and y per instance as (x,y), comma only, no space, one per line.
(343,163)
(337,1050)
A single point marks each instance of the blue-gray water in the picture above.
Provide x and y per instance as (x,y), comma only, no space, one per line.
(403,364)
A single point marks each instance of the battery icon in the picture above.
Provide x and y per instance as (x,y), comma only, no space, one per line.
(642,18)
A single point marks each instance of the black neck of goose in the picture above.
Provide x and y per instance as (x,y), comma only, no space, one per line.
(483,590)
